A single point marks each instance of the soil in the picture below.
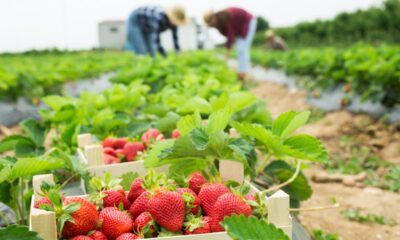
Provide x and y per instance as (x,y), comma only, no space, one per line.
(381,139)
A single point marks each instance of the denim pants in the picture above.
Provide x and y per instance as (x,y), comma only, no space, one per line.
(243,47)
(137,40)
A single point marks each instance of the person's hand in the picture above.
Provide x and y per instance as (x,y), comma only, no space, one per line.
(227,55)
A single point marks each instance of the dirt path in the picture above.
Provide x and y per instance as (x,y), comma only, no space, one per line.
(380,139)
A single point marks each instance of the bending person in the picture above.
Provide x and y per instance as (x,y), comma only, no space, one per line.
(238,26)
(145,25)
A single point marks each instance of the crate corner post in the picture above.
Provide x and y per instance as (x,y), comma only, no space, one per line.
(278,212)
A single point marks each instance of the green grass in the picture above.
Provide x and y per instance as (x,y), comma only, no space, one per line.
(318,234)
(355,215)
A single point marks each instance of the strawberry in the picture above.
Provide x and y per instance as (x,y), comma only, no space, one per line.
(175,133)
(144,222)
(97,235)
(196,181)
(120,153)
(250,197)
(167,209)
(110,151)
(127,236)
(119,143)
(139,205)
(45,201)
(109,143)
(209,194)
(113,198)
(109,159)
(81,237)
(132,149)
(115,222)
(151,135)
(85,218)
(136,190)
(191,199)
(226,205)
(197,225)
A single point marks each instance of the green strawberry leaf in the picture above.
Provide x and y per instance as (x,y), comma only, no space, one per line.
(189,122)
(289,122)
(127,179)
(305,147)
(199,138)
(218,120)
(19,232)
(244,228)
(34,130)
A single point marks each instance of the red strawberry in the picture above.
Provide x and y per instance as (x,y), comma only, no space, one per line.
(209,194)
(196,181)
(109,143)
(136,190)
(132,149)
(226,205)
(251,197)
(120,153)
(109,159)
(127,236)
(142,221)
(115,222)
(85,218)
(45,201)
(167,209)
(139,205)
(175,133)
(198,225)
(110,151)
(81,237)
(119,143)
(192,202)
(97,235)
(113,198)
(152,135)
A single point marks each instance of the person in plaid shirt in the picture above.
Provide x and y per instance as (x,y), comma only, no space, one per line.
(145,25)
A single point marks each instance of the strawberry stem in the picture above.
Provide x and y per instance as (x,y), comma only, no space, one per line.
(287,182)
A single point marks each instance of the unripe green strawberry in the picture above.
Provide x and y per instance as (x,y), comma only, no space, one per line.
(136,190)
(226,205)
(196,182)
(167,209)
(209,194)
(97,235)
(115,222)
(139,205)
(114,198)
(127,236)
(81,237)
(191,199)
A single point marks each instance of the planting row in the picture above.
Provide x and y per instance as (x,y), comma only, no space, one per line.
(371,72)
(35,75)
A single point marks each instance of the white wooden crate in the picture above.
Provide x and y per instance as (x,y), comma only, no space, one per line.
(43,222)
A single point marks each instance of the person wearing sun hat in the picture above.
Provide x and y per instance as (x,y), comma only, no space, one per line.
(275,42)
(145,24)
(238,26)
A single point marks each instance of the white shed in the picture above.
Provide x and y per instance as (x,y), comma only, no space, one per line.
(112,34)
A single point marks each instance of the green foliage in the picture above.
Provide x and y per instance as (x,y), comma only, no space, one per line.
(356,215)
(318,234)
(243,228)
(35,75)
(19,232)
(376,24)
(372,72)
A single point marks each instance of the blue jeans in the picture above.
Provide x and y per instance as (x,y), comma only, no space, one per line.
(137,40)
(243,47)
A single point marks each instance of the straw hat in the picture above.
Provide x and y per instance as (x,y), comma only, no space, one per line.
(269,33)
(207,16)
(176,15)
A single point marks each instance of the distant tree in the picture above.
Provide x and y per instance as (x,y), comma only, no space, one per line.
(262,24)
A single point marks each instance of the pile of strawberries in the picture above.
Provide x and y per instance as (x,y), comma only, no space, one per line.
(116,150)
(153,208)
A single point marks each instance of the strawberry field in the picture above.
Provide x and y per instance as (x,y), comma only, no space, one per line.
(177,146)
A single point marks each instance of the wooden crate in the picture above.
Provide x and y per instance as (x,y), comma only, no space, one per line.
(44,222)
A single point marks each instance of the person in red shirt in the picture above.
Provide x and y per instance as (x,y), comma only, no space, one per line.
(239,27)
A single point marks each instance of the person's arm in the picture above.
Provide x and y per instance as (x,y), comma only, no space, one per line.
(175,38)
(157,43)
(229,38)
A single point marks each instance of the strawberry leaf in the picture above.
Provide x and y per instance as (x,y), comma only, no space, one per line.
(289,122)
(242,227)
(189,122)
(199,138)
(305,147)
(19,232)
(127,179)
